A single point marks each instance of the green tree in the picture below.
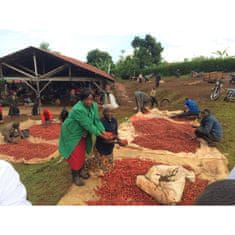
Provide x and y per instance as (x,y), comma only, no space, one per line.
(222,53)
(127,67)
(101,60)
(147,51)
(45,46)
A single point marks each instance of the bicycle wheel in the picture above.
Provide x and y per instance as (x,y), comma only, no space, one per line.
(164,103)
(215,94)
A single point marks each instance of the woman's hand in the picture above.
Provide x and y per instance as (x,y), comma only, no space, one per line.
(107,135)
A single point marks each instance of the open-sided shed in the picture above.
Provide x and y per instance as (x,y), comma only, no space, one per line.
(38,68)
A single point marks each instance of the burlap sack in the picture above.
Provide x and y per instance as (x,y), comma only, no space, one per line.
(165,183)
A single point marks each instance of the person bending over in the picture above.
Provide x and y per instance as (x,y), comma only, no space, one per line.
(142,100)
(104,148)
(12,132)
(210,129)
(190,109)
(46,117)
(76,136)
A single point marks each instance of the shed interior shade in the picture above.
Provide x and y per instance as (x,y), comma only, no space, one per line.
(47,61)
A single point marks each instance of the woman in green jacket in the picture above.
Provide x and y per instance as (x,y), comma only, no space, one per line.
(76,135)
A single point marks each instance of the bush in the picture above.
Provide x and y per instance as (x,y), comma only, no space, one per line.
(205,65)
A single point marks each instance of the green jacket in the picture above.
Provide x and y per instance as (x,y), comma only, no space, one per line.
(80,122)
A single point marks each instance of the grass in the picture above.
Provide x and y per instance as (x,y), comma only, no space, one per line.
(225,112)
(45,183)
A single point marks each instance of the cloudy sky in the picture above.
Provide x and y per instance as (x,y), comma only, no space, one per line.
(186,28)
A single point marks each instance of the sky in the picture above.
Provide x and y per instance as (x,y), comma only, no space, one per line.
(186,28)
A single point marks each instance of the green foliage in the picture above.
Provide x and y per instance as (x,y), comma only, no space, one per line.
(101,60)
(147,51)
(127,67)
(221,54)
(199,65)
(45,46)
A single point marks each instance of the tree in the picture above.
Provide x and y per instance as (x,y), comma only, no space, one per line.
(101,60)
(222,53)
(147,51)
(127,67)
(45,46)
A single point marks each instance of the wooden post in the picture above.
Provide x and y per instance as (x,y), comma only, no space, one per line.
(70,73)
(19,70)
(37,80)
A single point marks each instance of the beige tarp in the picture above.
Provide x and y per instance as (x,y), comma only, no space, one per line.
(208,163)
(26,125)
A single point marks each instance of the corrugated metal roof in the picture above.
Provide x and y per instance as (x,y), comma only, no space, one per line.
(67,59)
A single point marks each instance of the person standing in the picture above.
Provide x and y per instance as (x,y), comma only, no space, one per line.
(1,114)
(158,79)
(76,135)
(63,115)
(13,110)
(35,109)
(153,95)
(108,99)
(210,129)
(104,148)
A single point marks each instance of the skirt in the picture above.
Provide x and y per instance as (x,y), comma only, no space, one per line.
(77,158)
(100,162)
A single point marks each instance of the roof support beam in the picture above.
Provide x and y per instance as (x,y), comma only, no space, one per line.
(29,85)
(98,86)
(46,85)
(35,65)
(54,71)
(26,69)
(18,70)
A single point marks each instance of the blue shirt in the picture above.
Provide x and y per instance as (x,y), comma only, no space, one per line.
(211,126)
(192,106)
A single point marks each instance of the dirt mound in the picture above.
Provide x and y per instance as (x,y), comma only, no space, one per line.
(49,133)
(165,135)
(119,186)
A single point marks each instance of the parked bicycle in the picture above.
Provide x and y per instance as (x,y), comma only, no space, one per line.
(216,91)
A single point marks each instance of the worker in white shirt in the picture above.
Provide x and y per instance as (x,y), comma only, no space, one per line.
(12,191)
